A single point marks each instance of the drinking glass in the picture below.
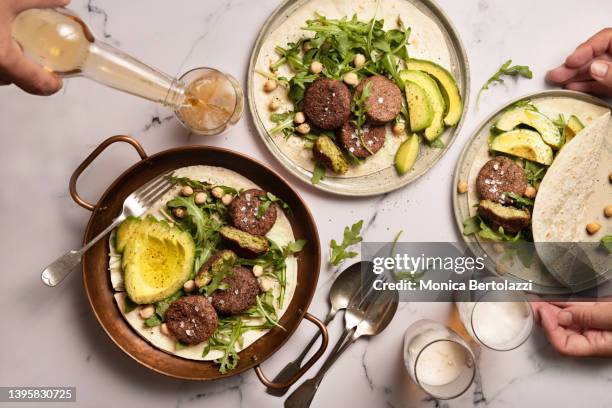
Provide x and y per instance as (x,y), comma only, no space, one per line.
(438,359)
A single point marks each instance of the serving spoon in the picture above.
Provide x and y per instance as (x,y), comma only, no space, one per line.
(373,314)
(344,288)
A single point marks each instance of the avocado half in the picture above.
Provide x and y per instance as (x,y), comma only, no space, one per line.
(523,143)
(157,259)
(534,119)
(448,86)
(435,98)
(572,128)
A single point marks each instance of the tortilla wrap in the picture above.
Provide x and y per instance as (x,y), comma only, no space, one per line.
(427,41)
(552,107)
(281,233)
(573,193)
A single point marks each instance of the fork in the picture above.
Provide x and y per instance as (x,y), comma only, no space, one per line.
(134,206)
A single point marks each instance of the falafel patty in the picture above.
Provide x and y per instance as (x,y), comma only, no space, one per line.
(498,176)
(243,213)
(191,319)
(373,136)
(327,103)
(511,219)
(384,100)
(240,294)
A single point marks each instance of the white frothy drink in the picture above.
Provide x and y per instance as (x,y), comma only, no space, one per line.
(499,325)
(440,361)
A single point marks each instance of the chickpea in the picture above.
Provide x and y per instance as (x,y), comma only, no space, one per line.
(498,248)
(316,67)
(227,199)
(274,104)
(179,212)
(530,192)
(399,128)
(462,187)
(299,118)
(359,60)
(217,192)
(200,198)
(265,283)
(186,191)
(146,312)
(304,128)
(608,211)
(306,46)
(189,286)
(164,330)
(258,270)
(593,227)
(501,268)
(270,85)
(351,78)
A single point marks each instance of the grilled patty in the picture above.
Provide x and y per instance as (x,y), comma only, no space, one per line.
(240,294)
(191,319)
(327,103)
(384,100)
(498,176)
(373,136)
(243,213)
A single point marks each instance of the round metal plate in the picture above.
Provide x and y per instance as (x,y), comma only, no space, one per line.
(387,179)
(466,162)
(95,261)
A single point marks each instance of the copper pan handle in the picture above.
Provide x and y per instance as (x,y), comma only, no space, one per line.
(75,176)
(325,340)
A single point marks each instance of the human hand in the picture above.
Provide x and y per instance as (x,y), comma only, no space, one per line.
(15,67)
(581,329)
(589,67)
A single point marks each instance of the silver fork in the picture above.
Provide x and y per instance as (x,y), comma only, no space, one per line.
(134,205)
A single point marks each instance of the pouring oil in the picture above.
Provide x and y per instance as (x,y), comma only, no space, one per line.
(60,41)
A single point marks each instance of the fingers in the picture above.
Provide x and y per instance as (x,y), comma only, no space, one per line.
(591,317)
(563,74)
(591,87)
(21,5)
(567,342)
(594,47)
(28,75)
(601,71)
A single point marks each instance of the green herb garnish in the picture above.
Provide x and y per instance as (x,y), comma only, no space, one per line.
(606,243)
(520,201)
(351,237)
(318,173)
(358,107)
(534,172)
(476,225)
(267,200)
(505,70)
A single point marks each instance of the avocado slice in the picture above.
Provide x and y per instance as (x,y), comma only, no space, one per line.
(573,126)
(534,119)
(406,155)
(448,86)
(157,259)
(436,99)
(523,143)
(419,107)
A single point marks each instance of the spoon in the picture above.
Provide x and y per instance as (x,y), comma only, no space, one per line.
(371,317)
(342,290)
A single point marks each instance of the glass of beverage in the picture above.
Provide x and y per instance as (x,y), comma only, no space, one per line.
(499,320)
(206,101)
(438,359)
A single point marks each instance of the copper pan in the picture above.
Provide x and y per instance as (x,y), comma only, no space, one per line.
(95,262)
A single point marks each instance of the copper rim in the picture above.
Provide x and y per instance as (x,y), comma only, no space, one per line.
(95,262)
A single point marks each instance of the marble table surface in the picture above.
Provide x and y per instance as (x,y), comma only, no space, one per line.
(49,336)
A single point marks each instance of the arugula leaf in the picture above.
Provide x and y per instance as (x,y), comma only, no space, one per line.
(186,181)
(267,200)
(284,123)
(606,243)
(153,321)
(534,172)
(195,219)
(163,305)
(318,173)
(505,70)
(359,109)
(294,247)
(471,225)
(216,282)
(520,201)
(351,237)
(128,305)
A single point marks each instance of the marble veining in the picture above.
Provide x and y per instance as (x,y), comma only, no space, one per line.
(66,346)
